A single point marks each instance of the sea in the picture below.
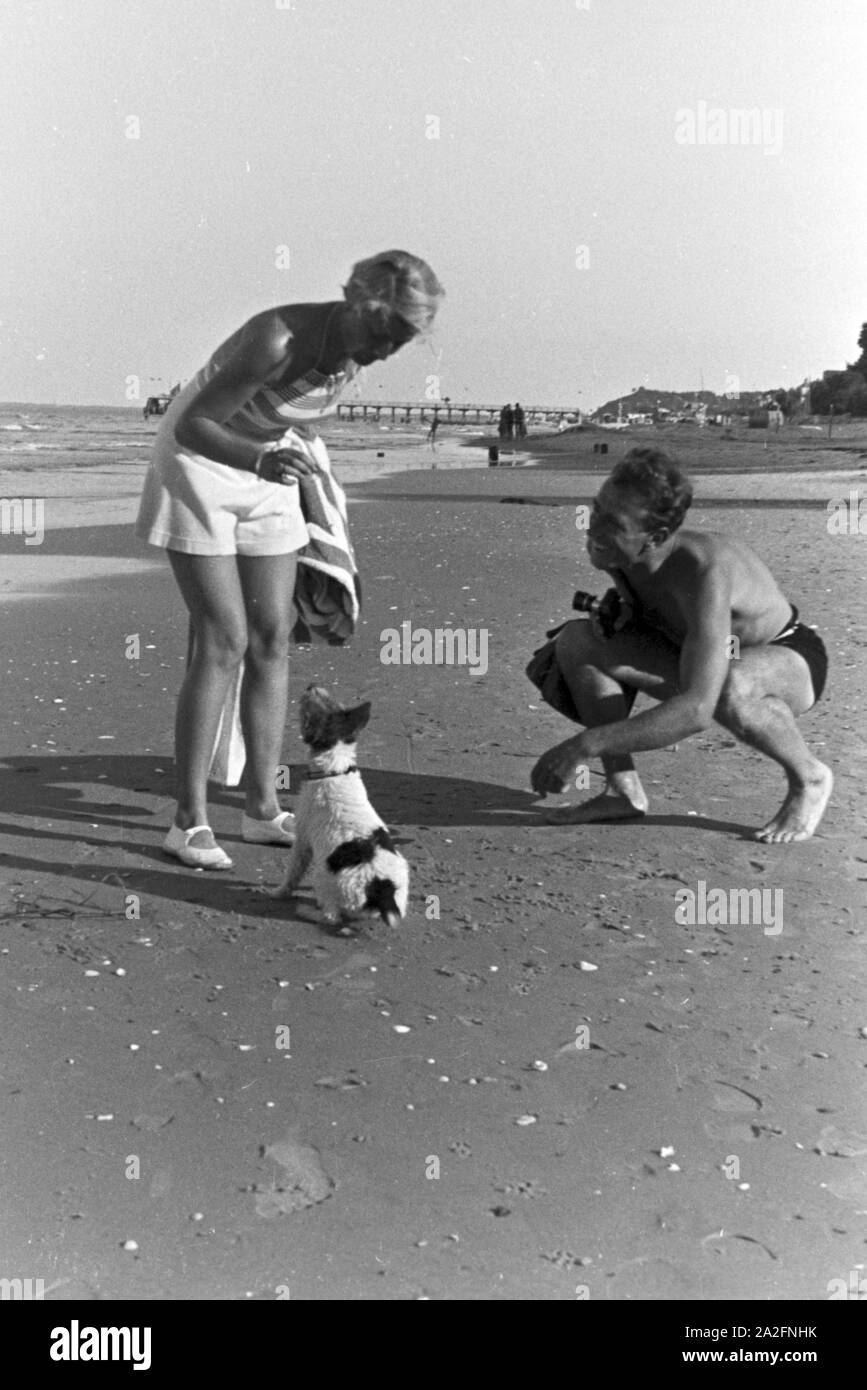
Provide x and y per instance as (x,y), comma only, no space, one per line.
(33,436)
(88,436)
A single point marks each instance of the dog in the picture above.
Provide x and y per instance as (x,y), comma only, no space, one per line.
(356,867)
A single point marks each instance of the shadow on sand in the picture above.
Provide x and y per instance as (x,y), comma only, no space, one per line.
(60,789)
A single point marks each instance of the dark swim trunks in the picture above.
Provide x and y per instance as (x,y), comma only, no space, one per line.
(544,671)
(808,644)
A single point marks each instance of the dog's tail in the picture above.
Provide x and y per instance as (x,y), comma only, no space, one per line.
(381,899)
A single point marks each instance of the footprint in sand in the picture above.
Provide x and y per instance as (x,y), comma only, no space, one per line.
(151,1123)
(730,1098)
(848,1180)
(302,1183)
(733,1101)
(749,1248)
(851,1185)
(744,1131)
(841,1143)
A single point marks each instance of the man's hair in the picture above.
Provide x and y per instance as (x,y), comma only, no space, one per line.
(658,482)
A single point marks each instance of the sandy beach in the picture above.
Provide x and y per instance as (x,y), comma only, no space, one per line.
(543,1086)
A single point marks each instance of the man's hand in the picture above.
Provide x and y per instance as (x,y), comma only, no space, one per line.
(556,768)
(614,612)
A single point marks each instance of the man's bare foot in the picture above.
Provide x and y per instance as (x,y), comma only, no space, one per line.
(801,811)
(607,807)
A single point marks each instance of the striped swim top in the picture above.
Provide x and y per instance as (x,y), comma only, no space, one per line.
(274,409)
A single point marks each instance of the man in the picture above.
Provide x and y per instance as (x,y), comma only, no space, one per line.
(710,636)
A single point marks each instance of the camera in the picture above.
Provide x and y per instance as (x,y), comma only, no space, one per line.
(610,611)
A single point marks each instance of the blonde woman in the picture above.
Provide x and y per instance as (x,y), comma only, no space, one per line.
(222,497)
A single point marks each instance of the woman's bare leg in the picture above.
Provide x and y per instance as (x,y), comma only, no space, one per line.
(268,583)
(211,589)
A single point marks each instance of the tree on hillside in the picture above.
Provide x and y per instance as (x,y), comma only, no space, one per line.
(861,364)
(843,392)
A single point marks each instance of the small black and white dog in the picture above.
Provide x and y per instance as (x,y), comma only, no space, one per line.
(356,868)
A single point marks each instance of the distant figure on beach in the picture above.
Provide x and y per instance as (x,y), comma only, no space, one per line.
(519,421)
(223,497)
(704,629)
(507,420)
(432,432)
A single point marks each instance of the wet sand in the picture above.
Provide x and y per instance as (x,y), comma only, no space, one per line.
(432,1130)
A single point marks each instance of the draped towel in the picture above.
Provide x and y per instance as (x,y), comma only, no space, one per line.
(327,596)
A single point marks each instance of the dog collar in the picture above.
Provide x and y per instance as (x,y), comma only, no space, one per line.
(320,776)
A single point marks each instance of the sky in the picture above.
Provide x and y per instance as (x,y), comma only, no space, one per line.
(572,170)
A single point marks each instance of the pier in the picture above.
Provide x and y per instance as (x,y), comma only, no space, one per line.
(449,412)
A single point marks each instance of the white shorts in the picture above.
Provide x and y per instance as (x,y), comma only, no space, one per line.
(193,504)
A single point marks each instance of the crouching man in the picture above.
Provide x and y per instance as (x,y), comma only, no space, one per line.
(687,595)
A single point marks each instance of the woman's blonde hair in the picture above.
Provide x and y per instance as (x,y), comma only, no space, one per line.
(402,283)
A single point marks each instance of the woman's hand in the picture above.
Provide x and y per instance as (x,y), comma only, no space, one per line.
(285,466)
(556,768)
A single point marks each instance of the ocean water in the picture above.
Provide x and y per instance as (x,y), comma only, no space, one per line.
(33,436)
(84,436)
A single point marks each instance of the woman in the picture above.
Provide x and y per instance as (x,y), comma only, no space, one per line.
(222,497)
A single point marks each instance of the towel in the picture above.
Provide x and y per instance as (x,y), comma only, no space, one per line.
(327,588)
(327,596)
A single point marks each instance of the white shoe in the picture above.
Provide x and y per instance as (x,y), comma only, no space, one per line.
(178,843)
(278,831)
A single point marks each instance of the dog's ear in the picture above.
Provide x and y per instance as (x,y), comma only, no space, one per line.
(325,722)
(317,697)
(343,726)
(317,709)
(354,720)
